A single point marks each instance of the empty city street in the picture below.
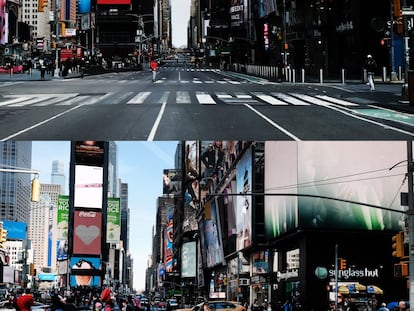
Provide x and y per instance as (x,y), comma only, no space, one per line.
(191,103)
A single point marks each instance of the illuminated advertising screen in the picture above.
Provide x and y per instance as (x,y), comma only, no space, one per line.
(169,234)
(171,182)
(16,230)
(260,262)
(87,232)
(244,201)
(334,185)
(191,185)
(188,260)
(113,223)
(89,152)
(212,235)
(88,186)
(62,217)
(85,271)
(84,6)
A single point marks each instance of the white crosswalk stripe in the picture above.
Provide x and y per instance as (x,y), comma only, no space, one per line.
(205,98)
(183,97)
(177,97)
(139,98)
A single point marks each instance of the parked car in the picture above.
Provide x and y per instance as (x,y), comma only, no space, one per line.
(173,303)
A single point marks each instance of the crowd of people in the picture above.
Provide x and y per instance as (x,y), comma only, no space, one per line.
(79,299)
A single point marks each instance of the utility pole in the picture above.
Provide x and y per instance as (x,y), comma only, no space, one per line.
(336,276)
(410,215)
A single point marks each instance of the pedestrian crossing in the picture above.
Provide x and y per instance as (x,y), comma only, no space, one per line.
(165,81)
(174,97)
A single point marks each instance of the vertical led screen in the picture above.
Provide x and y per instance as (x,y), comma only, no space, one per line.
(341,177)
(266,7)
(188,260)
(191,185)
(88,186)
(171,181)
(230,203)
(62,227)
(85,267)
(88,215)
(4,22)
(87,232)
(113,223)
(244,201)
(212,235)
(281,170)
(169,230)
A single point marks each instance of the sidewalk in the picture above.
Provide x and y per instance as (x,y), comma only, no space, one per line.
(34,76)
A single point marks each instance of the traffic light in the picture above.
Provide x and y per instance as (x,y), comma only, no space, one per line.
(342,264)
(32,269)
(396,8)
(41,5)
(401,269)
(62,29)
(398,245)
(35,190)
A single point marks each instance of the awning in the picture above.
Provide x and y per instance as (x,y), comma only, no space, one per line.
(372,289)
(356,287)
(343,289)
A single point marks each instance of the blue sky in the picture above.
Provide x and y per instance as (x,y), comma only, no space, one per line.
(180,14)
(140,164)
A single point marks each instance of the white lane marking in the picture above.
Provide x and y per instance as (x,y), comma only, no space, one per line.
(156,123)
(271,122)
(40,123)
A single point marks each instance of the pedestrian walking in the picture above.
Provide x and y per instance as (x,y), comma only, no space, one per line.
(370,66)
(383,307)
(153,68)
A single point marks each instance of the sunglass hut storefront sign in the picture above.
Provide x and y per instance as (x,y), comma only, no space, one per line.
(355,273)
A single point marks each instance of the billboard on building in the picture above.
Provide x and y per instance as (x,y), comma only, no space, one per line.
(16,230)
(244,201)
(62,217)
(87,230)
(171,182)
(88,186)
(191,185)
(85,271)
(330,185)
(213,242)
(113,225)
(169,240)
(188,259)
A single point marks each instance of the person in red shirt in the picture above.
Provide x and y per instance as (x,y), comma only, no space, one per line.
(24,302)
(154,67)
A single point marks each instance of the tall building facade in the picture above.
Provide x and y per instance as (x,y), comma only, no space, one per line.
(40,231)
(58,175)
(113,170)
(15,188)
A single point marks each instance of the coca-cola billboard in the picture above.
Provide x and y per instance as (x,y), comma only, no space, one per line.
(87,232)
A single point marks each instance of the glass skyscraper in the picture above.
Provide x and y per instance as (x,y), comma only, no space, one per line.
(15,188)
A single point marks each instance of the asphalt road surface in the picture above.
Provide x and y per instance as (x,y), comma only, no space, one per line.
(189,103)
